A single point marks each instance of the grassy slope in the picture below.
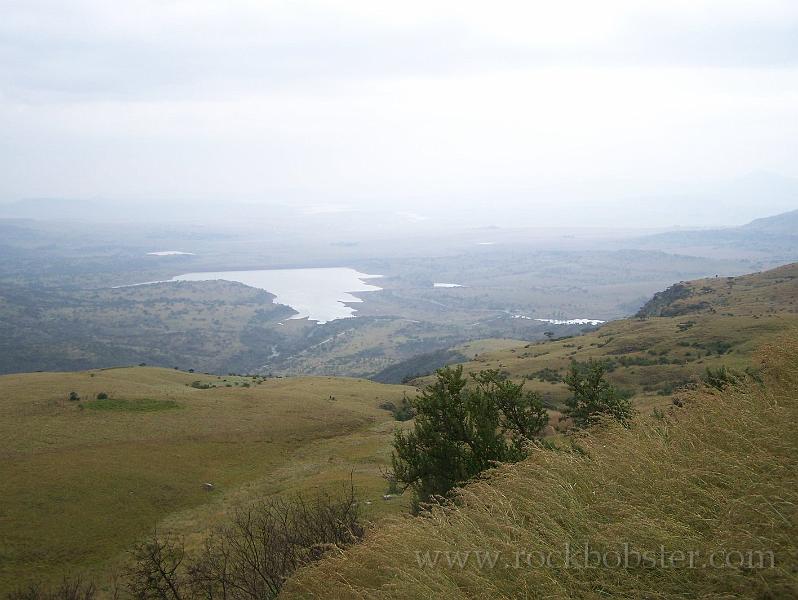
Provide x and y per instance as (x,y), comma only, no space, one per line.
(80,484)
(719,475)
(90,481)
(742,311)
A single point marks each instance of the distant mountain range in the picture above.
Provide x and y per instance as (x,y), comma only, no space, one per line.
(774,238)
(785,224)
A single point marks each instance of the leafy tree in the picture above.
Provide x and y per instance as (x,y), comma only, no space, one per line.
(593,396)
(461,430)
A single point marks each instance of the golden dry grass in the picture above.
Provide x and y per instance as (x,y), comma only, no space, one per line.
(718,476)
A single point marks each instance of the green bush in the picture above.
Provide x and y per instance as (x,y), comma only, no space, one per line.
(462,430)
(593,396)
(722,377)
(403,412)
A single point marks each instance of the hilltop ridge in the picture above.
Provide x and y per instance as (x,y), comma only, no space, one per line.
(673,339)
(772,240)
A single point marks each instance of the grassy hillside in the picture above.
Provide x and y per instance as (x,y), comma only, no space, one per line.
(708,322)
(83,479)
(708,493)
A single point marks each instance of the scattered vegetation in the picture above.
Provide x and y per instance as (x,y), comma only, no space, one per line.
(722,377)
(716,478)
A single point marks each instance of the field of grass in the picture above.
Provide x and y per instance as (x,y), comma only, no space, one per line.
(84,479)
(698,503)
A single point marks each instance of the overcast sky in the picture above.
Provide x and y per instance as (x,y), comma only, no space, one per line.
(543,107)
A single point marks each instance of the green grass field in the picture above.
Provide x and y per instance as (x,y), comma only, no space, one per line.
(84,479)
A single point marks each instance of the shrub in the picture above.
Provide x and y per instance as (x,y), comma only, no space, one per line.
(546,374)
(593,396)
(69,589)
(74,396)
(249,558)
(722,377)
(102,396)
(460,431)
(403,412)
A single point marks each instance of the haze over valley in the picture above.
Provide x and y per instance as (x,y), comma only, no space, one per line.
(234,298)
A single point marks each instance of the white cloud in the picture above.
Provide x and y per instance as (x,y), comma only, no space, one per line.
(342,102)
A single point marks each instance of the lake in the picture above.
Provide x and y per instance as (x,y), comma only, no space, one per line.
(318,294)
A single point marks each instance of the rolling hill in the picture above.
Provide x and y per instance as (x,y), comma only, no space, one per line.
(84,478)
(772,240)
(670,343)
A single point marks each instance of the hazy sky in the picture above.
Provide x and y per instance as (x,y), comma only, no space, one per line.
(546,106)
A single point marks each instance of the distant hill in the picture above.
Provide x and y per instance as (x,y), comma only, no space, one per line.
(785,224)
(423,364)
(675,336)
(773,239)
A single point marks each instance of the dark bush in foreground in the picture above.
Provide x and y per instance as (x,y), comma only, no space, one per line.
(250,558)
(69,589)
